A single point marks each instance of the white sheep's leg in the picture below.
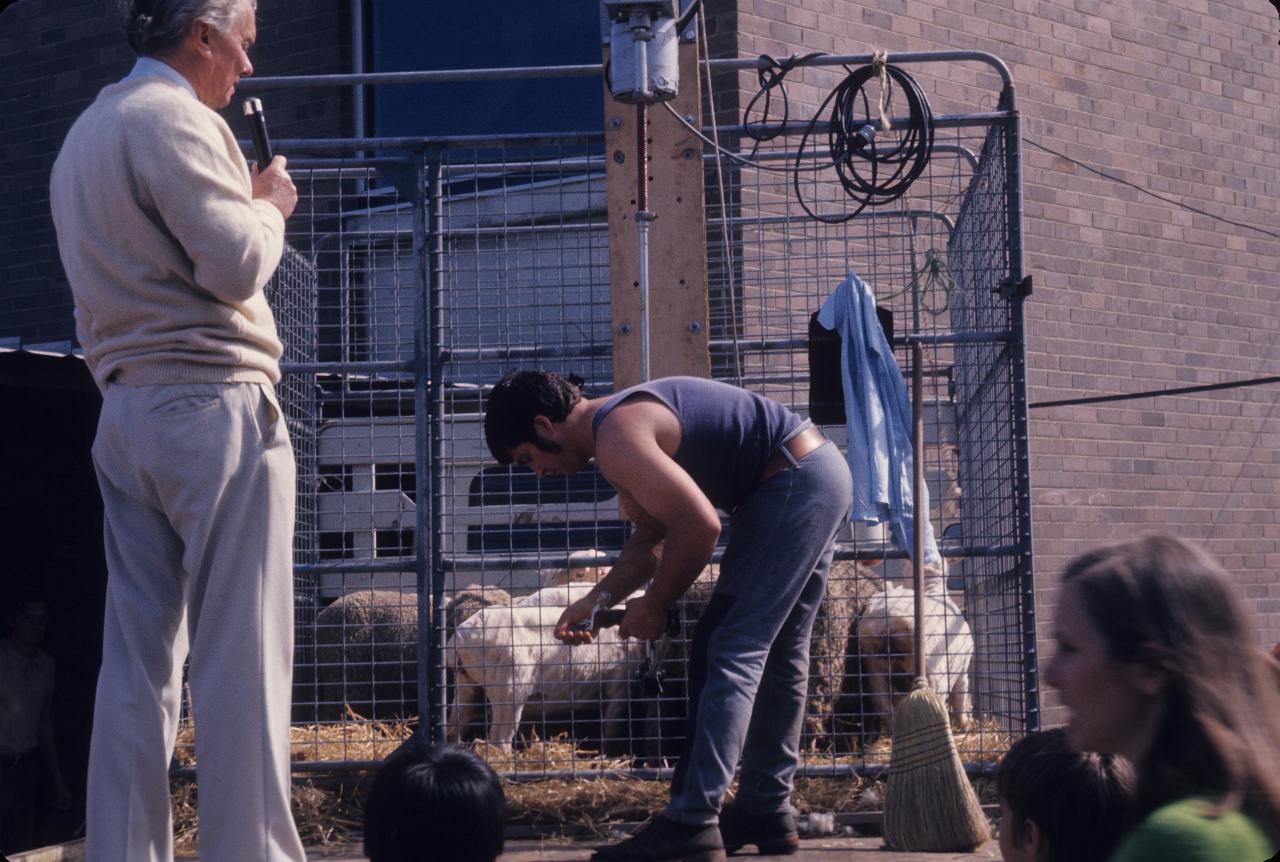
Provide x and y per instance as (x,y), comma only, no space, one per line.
(467,706)
(961,705)
(506,705)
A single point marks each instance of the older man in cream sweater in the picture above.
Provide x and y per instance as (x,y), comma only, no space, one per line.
(168,240)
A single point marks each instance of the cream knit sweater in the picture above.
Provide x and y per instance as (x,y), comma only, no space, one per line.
(166,250)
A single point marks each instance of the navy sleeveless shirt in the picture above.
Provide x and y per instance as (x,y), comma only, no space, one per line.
(726,433)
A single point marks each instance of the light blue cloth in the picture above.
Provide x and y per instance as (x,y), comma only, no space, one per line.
(878,415)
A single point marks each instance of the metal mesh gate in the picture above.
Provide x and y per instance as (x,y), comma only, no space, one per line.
(293,296)
(435,273)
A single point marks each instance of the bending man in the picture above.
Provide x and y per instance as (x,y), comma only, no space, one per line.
(676,450)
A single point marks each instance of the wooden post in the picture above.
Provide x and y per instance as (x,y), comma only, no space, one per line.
(677,238)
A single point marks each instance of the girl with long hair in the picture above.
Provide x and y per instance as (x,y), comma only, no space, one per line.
(1156,662)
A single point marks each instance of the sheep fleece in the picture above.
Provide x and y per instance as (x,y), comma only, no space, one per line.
(511,654)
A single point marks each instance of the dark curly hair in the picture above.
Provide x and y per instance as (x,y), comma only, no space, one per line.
(517,399)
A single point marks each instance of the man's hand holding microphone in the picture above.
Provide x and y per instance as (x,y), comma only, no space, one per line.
(272,184)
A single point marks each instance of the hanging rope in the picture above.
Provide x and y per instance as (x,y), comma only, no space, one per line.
(931,279)
(934,279)
(880,63)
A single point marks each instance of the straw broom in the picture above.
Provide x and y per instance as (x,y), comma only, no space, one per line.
(929,804)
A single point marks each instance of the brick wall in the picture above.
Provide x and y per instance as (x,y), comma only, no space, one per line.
(1132,293)
(54,57)
(40,95)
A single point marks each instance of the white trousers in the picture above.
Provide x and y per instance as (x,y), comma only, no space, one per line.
(198,482)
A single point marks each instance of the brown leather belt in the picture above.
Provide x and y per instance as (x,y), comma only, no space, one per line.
(799,446)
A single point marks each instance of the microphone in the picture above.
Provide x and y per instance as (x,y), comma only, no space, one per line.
(258,131)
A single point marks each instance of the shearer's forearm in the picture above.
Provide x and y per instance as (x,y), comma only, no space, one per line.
(635,565)
(685,554)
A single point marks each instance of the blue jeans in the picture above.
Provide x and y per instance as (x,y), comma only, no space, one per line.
(749,666)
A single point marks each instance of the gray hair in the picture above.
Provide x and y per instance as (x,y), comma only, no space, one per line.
(155,28)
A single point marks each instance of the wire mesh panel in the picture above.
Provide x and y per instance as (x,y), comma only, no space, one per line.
(523,282)
(436,574)
(293,293)
(933,261)
(988,404)
(357,653)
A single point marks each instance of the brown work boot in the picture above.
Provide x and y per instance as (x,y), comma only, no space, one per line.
(664,840)
(773,834)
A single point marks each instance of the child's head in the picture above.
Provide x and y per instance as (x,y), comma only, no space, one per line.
(1061,805)
(431,802)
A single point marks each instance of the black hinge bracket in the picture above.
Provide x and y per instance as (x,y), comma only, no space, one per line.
(1010,288)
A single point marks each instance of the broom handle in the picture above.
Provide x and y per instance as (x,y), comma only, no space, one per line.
(917,492)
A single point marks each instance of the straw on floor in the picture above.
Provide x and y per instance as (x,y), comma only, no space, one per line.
(329,812)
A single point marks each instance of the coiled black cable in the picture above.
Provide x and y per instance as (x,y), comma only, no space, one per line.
(871,171)
(770,78)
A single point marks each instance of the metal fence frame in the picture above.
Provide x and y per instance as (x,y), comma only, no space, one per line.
(430,565)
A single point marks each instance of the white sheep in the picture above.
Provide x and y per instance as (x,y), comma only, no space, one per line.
(886,647)
(509,656)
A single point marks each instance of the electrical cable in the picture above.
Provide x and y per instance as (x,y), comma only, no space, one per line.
(724,215)
(742,160)
(772,133)
(1147,191)
(851,137)
(1182,390)
(853,144)
(1155,393)
(770,78)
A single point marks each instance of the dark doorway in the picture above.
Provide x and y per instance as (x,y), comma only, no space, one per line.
(51,541)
